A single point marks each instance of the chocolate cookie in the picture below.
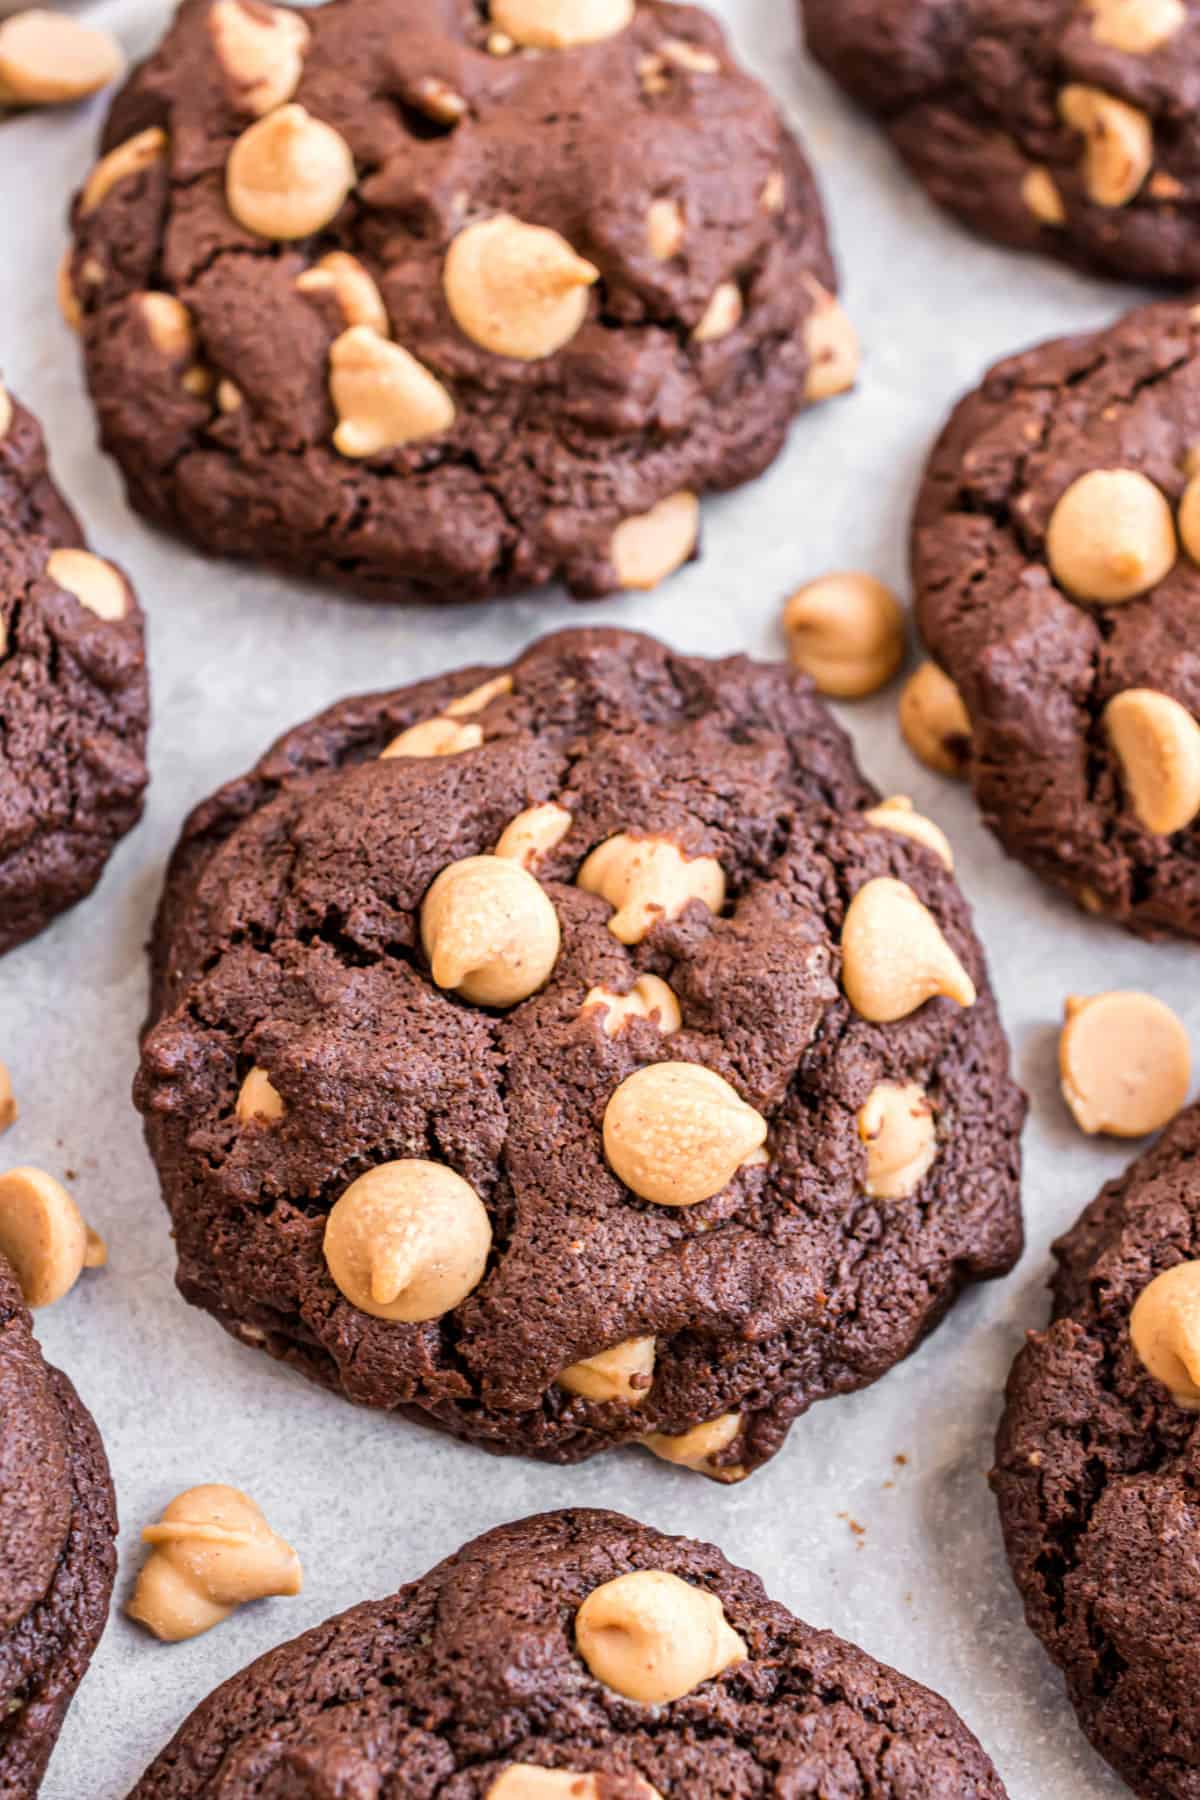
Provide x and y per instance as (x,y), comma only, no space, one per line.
(1056,543)
(73,699)
(439,305)
(1096,1468)
(579,965)
(57,1562)
(577,1655)
(1058,126)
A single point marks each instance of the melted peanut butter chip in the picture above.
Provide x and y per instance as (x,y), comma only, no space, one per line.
(665,229)
(131,158)
(288,175)
(722,314)
(353,288)
(94,582)
(408,1241)
(649,879)
(259,1098)
(479,697)
(490,931)
(527,1781)
(64,288)
(261,52)
(6,410)
(695,1449)
(625,1372)
(648,998)
(1111,537)
(934,723)
(169,324)
(43,1235)
(1157,744)
(676,1133)
(560,24)
(1136,27)
(897,815)
(211,1552)
(894,956)
(8,1104)
(384,397)
(847,632)
(516,289)
(534,833)
(832,345)
(434,737)
(1164,1328)
(47,59)
(655,1638)
(1125,1062)
(648,547)
(1118,142)
(896,1124)
(1041,196)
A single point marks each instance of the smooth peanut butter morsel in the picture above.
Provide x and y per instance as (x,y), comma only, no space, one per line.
(288,175)
(94,582)
(516,289)
(722,314)
(211,1552)
(665,229)
(131,158)
(261,52)
(1118,142)
(534,833)
(1157,744)
(559,24)
(832,345)
(897,814)
(1189,508)
(649,998)
(897,1126)
(847,632)
(408,1241)
(1136,27)
(47,58)
(434,737)
(648,879)
(8,1104)
(649,546)
(384,397)
(169,324)
(695,1449)
(490,931)
(527,1781)
(43,1235)
(1164,1328)
(1125,1062)
(1040,194)
(625,1372)
(894,956)
(1111,537)
(654,1637)
(480,697)
(934,722)
(676,1133)
(354,289)
(259,1098)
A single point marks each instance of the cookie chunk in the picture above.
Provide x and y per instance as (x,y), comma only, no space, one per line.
(529,1055)
(1054,127)
(440,305)
(73,694)
(520,1668)
(58,1519)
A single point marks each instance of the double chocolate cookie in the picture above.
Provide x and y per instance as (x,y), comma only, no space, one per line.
(57,1562)
(574,1656)
(577,1054)
(74,707)
(439,303)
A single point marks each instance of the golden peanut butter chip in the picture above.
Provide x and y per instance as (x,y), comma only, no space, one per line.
(560,24)
(832,345)
(847,632)
(384,397)
(676,1133)
(1040,194)
(648,998)
(479,697)
(665,229)
(259,1098)
(261,52)
(131,158)
(894,956)
(1189,509)
(1157,744)
(288,175)
(695,1449)
(6,410)
(408,1241)
(534,833)
(527,1781)
(211,1552)
(897,1126)
(64,288)
(8,1104)
(229,396)
(43,1235)
(94,582)
(516,289)
(1137,27)
(623,1373)
(1125,1062)
(647,880)
(934,723)
(47,58)
(1111,536)
(490,931)
(169,324)
(434,737)
(1118,142)
(648,547)
(897,815)
(353,288)
(773,197)
(1164,1328)
(690,57)
(722,314)
(655,1638)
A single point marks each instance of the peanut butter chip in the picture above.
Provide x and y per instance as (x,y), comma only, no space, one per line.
(169,324)
(68,299)
(1157,743)
(896,1125)
(490,931)
(259,1098)
(1118,140)
(211,1552)
(695,1449)
(774,192)
(43,1235)
(655,1638)
(648,998)
(1189,512)
(8,1104)
(6,410)
(1164,1328)
(46,59)
(94,582)
(722,313)
(934,723)
(1125,1063)
(261,52)
(408,1241)
(676,1133)
(518,290)
(832,345)
(1111,536)
(648,547)
(534,833)
(479,697)
(128,159)
(647,880)
(665,230)
(288,175)
(1041,196)
(894,956)
(358,298)
(558,24)
(623,1373)
(847,632)
(384,397)
(526,1781)
(897,815)
(1135,26)
(434,737)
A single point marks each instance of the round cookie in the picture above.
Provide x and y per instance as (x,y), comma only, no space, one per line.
(684,1183)
(73,694)
(442,306)
(1095,1468)
(485,1674)
(58,1520)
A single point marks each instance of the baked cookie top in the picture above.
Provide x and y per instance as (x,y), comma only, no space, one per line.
(519,1656)
(580,935)
(439,304)
(1058,126)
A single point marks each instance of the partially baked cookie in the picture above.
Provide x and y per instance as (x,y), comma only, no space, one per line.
(74,707)
(1056,580)
(58,1520)
(1095,1470)
(1058,127)
(439,304)
(571,1055)
(573,1656)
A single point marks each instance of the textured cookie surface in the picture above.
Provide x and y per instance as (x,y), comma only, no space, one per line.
(444,1686)
(57,1561)
(650,155)
(288,940)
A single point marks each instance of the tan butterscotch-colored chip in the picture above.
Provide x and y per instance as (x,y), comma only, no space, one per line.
(934,723)
(654,1638)
(131,158)
(774,192)
(259,1098)
(832,345)
(6,410)
(229,396)
(689,56)
(894,956)
(665,229)
(8,1104)
(1164,1328)
(1157,745)
(43,1235)
(437,99)
(94,582)
(897,1126)
(1189,507)
(1118,142)
(649,998)
(676,1133)
(408,1241)
(649,880)
(211,1552)
(722,314)
(560,24)
(47,59)
(534,833)
(528,1781)
(197,381)
(1040,194)
(384,397)
(516,289)
(169,324)
(261,51)
(897,815)
(352,286)
(288,175)
(68,299)
(696,1449)
(1136,27)
(479,697)
(847,632)
(648,547)
(435,737)
(625,1372)
(490,931)
(1125,1062)
(1111,536)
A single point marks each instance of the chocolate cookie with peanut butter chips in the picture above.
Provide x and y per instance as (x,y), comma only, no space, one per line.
(1062,126)
(74,707)
(573,1656)
(578,1054)
(440,303)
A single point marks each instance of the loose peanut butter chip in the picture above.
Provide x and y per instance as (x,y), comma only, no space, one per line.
(676,1133)
(434,737)
(490,931)
(261,52)
(526,1781)
(1164,1328)
(894,956)
(623,1373)
(1111,536)
(665,229)
(408,1241)
(358,298)
(518,290)
(479,697)
(1118,142)
(211,1552)
(896,1125)
(1135,26)
(648,998)
(1125,1063)
(649,880)
(94,582)
(384,397)
(655,1638)
(534,833)
(1157,743)
(934,723)
(897,815)
(6,410)
(832,345)
(169,324)
(559,24)
(695,1449)
(259,1098)
(43,1235)
(722,313)
(46,59)
(8,1104)
(288,175)
(648,547)
(1041,196)
(128,159)
(847,632)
